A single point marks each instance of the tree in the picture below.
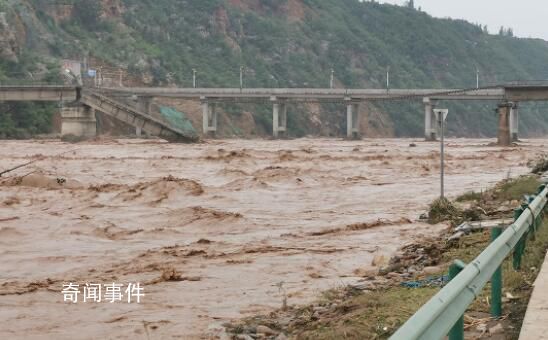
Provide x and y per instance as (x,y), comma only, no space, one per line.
(87,12)
(411,4)
(501,30)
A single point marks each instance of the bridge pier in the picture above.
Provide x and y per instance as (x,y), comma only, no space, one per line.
(78,120)
(352,119)
(430,121)
(279,118)
(144,104)
(209,118)
(514,122)
(504,109)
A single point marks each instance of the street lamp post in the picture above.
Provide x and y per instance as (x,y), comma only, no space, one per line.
(441,114)
(332,78)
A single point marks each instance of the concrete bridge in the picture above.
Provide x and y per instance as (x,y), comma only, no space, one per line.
(85,100)
(282,96)
(79,106)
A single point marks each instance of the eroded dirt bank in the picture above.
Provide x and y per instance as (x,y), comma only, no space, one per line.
(213,230)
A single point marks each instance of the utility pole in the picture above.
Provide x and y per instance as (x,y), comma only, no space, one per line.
(442,116)
(477,78)
(332,79)
(194,78)
(388,78)
(241,77)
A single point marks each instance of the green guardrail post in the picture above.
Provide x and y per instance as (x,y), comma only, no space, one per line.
(540,219)
(496,282)
(533,227)
(523,240)
(457,332)
(516,256)
(541,215)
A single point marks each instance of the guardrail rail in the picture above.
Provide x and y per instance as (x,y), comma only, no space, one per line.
(443,314)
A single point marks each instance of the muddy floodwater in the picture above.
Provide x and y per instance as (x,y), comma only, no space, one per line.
(214,231)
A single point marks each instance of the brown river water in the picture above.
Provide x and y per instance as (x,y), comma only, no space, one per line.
(214,231)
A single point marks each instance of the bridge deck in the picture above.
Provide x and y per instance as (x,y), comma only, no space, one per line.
(317,94)
(38,93)
(535,324)
(135,118)
(68,93)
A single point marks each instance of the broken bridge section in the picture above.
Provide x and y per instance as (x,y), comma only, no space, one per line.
(134,117)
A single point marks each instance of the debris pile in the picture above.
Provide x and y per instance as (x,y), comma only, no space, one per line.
(443,210)
(539,166)
(250,332)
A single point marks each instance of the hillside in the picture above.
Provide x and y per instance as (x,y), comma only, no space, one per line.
(283,43)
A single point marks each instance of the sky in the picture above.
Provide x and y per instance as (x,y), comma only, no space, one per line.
(526,17)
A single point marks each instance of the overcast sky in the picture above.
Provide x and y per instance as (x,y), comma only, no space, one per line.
(526,17)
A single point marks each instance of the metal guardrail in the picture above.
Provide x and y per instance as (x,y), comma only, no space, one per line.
(30,83)
(443,314)
(36,86)
(490,93)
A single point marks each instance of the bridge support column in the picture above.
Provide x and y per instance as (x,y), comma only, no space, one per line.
(279,118)
(430,121)
(78,120)
(209,117)
(283,119)
(514,122)
(144,104)
(352,119)
(504,138)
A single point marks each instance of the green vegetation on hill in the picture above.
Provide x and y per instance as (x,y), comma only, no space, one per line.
(24,120)
(293,43)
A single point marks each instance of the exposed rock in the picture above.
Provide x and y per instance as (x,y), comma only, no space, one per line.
(379,260)
(366,272)
(266,330)
(244,337)
(496,329)
(8,41)
(482,328)
(432,270)
(319,309)
(112,8)
(392,275)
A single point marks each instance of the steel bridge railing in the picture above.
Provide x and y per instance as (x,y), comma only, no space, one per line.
(443,314)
